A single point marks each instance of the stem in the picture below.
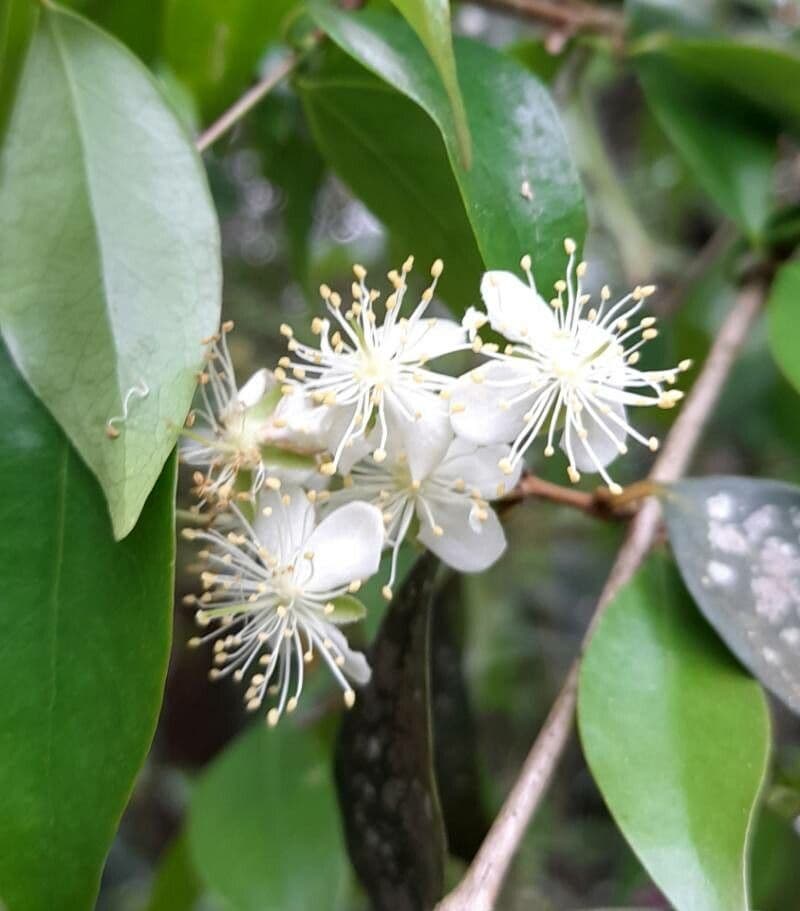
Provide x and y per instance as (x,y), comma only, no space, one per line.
(572,15)
(247,102)
(480,887)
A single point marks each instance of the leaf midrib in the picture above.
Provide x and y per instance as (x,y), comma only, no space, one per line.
(54,605)
(93,211)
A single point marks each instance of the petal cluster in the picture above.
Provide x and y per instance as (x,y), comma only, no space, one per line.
(361,441)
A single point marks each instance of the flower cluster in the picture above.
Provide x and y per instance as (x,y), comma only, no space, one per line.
(360,441)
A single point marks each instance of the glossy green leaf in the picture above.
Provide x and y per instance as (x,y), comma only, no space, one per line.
(737,544)
(729,148)
(176,886)
(783,321)
(384,760)
(215,47)
(430,19)
(262,806)
(85,628)
(17,22)
(522,193)
(677,738)
(392,156)
(113,199)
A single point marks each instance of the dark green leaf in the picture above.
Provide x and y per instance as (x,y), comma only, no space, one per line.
(215,48)
(455,735)
(390,153)
(763,75)
(430,19)
(729,148)
(677,738)
(736,541)
(783,320)
(85,629)
(384,760)
(176,886)
(112,198)
(263,807)
(776,874)
(17,22)
(137,23)
(522,193)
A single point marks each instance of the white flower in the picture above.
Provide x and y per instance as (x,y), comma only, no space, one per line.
(373,379)
(277,587)
(448,505)
(252,429)
(569,365)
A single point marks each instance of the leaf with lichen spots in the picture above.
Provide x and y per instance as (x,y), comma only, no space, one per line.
(737,544)
(384,760)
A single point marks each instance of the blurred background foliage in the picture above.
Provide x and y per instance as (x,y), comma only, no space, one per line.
(226,813)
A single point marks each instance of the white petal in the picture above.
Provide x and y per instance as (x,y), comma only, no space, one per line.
(303,424)
(603,446)
(419,425)
(460,546)
(514,309)
(355,666)
(482,419)
(255,388)
(286,528)
(477,467)
(430,338)
(346,545)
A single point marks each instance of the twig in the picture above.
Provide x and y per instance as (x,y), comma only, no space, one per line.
(247,102)
(601,504)
(480,887)
(569,15)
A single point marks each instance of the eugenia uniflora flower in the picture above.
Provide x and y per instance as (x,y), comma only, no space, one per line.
(373,378)
(447,508)
(276,589)
(569,367)
(250,429)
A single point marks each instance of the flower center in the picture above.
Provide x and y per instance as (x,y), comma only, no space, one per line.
(286,587)
(375,368)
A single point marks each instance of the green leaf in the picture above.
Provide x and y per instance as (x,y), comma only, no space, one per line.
(783,321)
(113,200)
(677,739)
(262,807)
(522,193)
(729,148)
(85,625)
(137,23)
(347,609)
(736,544)
(215,48)
(430,19)
(758,74)
(17,22)
(392,156)
(177,886)
(396,842)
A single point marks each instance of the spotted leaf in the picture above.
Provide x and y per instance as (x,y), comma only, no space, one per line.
(737,543)
(384,760)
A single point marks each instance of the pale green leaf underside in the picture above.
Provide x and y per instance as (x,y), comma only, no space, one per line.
(110,266)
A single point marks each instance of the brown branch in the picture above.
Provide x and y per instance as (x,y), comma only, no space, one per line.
(480,887)
(248,101)
(601,503)
(567,15)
